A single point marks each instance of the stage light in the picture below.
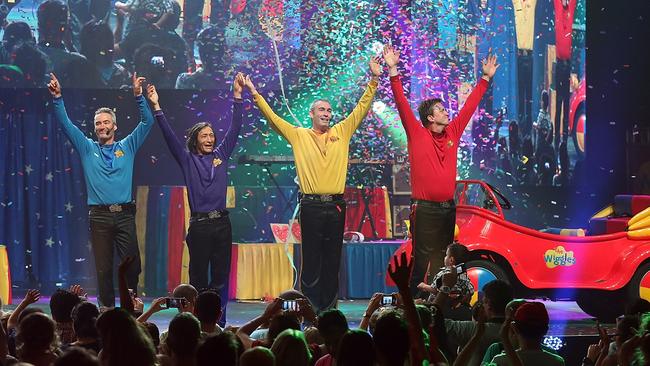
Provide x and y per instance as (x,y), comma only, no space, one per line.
(378,107)
(552,342)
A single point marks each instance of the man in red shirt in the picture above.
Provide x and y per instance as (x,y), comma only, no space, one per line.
(433,146)
(564,10)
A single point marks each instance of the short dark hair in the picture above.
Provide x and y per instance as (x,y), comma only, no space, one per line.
(224,347)
(332,325)
(280,323)
(425,109)
(61,304)
(193,136)
(84,316)
(499,294)
(77,356)
(458,251)
(184,334)
(154,332)
(391,337)
(208,306)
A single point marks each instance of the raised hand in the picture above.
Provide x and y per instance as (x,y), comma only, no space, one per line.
(375,66)
(137,84)
(272,308)
(391,56)
(31,297)
(400,272)
(53,86)
(490,65)
(157,304)
(238,85)
(249,84)
(152,95)
(78,290)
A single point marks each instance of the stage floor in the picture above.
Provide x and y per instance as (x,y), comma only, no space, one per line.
(567,320)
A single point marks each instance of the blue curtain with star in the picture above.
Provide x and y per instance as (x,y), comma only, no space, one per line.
(43,212)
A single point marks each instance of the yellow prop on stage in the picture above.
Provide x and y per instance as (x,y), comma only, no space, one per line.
(263,270)
(5,276)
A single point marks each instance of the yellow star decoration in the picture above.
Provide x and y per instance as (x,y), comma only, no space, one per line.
(119,153)
(450,143)
(216,162)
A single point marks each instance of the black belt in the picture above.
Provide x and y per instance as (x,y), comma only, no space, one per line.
(425,203)
(117,207)
(321,197)
(216,214)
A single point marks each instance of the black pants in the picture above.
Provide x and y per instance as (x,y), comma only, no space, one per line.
(110,231)
(525,91)
(210,245)
(321,224)
(562,73)
(432,230)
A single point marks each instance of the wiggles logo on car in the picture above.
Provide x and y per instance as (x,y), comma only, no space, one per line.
(559,257)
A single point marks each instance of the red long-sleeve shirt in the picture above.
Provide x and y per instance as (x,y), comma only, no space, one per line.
(563,28)
(433,155)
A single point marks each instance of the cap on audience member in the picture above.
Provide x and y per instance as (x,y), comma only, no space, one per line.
(532,313)
(257,356)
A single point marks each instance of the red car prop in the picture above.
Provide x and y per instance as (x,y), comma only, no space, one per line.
(601,272)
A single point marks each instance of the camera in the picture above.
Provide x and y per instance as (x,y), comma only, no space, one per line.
(388,300)
(291,305)
(175,302)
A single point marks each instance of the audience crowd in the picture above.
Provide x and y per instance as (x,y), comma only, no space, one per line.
(499,330)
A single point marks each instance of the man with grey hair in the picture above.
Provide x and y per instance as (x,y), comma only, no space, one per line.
(321,154)
(108,169)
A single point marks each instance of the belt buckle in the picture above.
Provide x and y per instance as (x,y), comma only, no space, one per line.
(214,214)
(445,204)
(115,208)
(326,198)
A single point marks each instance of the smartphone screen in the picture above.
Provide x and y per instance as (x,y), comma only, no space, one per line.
(291,305)
(387,300)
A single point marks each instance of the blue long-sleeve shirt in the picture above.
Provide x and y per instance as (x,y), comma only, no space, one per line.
(205,175)
(108,169)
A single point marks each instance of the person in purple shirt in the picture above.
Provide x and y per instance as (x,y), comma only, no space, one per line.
(204,166)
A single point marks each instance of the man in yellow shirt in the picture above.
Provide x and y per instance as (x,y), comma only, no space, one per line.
(321,155)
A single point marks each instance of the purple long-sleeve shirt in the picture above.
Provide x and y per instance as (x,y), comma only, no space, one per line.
(205,175)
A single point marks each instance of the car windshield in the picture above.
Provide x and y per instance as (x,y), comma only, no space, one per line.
(475,195)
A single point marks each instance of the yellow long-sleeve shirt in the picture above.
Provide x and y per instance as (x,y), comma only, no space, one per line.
(321,158)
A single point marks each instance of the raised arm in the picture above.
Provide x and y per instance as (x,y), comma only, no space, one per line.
(230,140)
(406,115)
(31,297)
(459,123)
(400,272)
(136,138)
(281,126)
(352,121)
(173,142)
(78,139)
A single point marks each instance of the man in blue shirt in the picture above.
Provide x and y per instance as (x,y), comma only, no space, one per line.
(108,171)
(205,168)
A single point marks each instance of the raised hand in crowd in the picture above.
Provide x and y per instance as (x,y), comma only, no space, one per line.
(78,290)
(400,273)
(31,297)
(156,306)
